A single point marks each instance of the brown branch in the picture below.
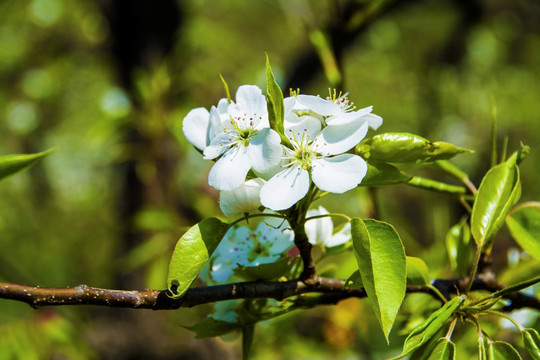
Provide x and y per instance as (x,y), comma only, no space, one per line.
(331,289)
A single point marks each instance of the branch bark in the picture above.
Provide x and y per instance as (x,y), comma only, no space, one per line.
(331,290)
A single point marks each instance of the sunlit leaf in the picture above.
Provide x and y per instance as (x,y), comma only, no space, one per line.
(381,261)
(192,252)
(12,164)
(524,225)
(445,350)
(531,340)
(406,148)
(500,350)
(274,102)
(498,192)
(264,271)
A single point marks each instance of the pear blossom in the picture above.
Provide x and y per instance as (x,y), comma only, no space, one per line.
(243,199)
(200,126)
(320,231)
(245,142)
(243,247)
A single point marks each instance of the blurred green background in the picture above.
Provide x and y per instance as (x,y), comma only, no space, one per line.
(109,83)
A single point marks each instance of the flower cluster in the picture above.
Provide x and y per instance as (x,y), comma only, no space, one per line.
(238,135)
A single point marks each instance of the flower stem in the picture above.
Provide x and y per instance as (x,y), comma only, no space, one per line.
(474,268)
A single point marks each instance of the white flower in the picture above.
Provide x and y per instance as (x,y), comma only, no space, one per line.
(241,246)
(320,231)
(321,158)
(200,127)
(243,199)
(244,143)
(338,110)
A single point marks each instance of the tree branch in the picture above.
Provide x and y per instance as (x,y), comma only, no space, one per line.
(332,291)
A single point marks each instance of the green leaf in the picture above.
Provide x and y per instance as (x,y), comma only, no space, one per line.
(380,173)
(429,328)
(500,350)
(531,340)
(445,350)
(524,225)
(417,271)
(12,164)
(226,87)
(381,261)
(210,327)
(498,192)
(274,102)
(192,251)
(406,148)
(264,271)
(458,247)
(425,351)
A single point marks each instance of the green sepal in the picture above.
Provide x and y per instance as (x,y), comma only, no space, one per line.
(499,191)
(458,247)
(500,350)
(524,225)
(406,148)
(382,264)
(531,341)
(380,173)
(12,164)
(192,252)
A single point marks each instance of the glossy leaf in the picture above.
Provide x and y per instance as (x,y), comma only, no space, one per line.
(417,271)
(429,328)
(498,192)
(458,247)
(381,261)
(380,173)
(210,327)
(531,340)
(500,350)
(274,102)
(524,225)
(406,148)
(445,350)
(192,252)
(12,164)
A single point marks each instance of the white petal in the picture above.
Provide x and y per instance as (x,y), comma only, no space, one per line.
(288,105)
(284,189)
(250,99)
(244,198)
(219,145)
(338,174)
(265,150)
(195,127)
(374,121)
(222,106)
(319,105)
(214,128)
(347,117)
(300,124)
(230,170)
(340,138)
(341,237)
(319,231)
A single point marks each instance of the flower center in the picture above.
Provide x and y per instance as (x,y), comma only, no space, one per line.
(303,153)
(342,100)
(245,128)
